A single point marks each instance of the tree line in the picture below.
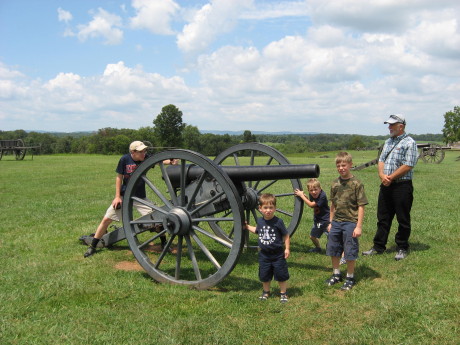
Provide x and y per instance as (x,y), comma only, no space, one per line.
(169,131)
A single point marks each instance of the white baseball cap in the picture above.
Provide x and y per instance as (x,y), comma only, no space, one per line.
(396,119)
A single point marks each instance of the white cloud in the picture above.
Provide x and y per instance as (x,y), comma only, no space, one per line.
(276,10)
(350,67)
(213,19)
(155,15)
(104,24)
(64,16)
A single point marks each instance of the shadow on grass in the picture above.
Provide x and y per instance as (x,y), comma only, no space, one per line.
(414,247)
(364,272)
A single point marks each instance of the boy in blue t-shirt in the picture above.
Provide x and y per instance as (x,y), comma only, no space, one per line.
(317,200)
(274,247)
(127,165)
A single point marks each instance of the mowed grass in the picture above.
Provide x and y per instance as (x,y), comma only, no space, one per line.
(50,294)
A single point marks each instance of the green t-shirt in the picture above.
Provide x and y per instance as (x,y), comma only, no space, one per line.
(347,196)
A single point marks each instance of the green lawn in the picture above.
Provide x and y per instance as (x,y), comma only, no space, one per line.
(50,294)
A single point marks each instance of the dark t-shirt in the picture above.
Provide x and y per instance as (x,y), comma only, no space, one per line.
(126,167)
(321,210)
(271,233)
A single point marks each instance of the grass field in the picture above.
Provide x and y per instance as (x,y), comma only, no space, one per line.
(50,294)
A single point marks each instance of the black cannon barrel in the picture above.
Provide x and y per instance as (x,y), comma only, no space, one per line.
(249,173)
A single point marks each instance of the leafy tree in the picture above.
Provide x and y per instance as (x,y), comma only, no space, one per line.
(356,142)
(248,137)
(451,130)
(191,136)
(169,126)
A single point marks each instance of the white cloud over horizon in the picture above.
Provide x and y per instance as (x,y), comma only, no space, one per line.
(335,67)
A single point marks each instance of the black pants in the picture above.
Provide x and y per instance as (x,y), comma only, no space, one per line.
(395,199)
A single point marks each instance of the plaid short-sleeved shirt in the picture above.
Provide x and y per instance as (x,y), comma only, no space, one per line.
(404,153)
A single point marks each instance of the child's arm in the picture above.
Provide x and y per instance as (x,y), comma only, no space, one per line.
(302,195)
(331,217)
(358,230)
(250,227)
(287,246)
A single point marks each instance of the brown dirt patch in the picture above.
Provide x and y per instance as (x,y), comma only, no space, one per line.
(128,266)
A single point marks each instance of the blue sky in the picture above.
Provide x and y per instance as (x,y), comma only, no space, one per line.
(336,66)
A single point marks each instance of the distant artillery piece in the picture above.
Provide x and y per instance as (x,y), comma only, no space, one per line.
(17,147)
(432,153)
(202,205)
(429,153)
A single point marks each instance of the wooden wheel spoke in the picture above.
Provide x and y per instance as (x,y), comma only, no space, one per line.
(215,238)
(192,257)
(205,250)
(163,198)
(178,257)
(168,184)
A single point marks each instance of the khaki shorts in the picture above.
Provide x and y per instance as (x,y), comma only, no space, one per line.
(116,215)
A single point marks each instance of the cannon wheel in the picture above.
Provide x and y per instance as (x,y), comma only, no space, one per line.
(201,258)
(21,151)
(432,154)
(289,207)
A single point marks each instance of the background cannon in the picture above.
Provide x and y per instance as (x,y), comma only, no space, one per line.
(202,205)
(16,147)
(429,153)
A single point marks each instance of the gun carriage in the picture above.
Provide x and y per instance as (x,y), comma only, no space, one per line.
(16,147)
(202,205)
(429,153)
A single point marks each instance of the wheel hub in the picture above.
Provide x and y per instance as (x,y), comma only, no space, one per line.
(178,221)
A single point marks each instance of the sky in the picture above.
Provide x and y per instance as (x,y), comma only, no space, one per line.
(335,66)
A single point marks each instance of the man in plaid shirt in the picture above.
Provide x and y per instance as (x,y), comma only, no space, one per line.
(395,166)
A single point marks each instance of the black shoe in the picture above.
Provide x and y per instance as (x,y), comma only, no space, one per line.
(265,295)
(349,283)
(372,251)
(89,252)
(334,279)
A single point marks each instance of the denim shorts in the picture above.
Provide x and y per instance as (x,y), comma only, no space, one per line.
(273,266)
(341,240)
(318,229)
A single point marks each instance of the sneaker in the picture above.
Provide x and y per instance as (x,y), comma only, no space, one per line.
(349,283)
(265,295)
(315,250)
(371,251)
(89,252)
(343,261)
(283,298)
(401,254)
(334,279)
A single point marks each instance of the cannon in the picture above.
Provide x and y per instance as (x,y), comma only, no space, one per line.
(17,147)
(201,205)
(432,153)
(429,153)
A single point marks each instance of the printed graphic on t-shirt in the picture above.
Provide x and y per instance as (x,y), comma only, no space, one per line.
(267,235)
(130,168)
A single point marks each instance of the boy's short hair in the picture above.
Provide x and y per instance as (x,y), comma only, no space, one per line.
(343,157)
(267,199)
(313,182)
